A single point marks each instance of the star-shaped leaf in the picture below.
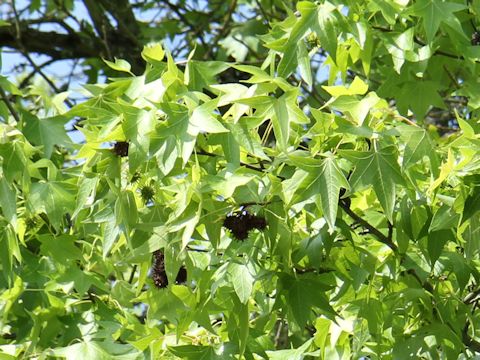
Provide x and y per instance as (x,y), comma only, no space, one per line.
(378,169)
(418,144)
(325,180)
(47,132)
(434,12)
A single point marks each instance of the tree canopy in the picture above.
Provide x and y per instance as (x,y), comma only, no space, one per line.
(240,180)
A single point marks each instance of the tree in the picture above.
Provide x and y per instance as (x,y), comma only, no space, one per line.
(287,181)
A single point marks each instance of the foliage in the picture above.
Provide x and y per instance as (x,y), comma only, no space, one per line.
(221,209)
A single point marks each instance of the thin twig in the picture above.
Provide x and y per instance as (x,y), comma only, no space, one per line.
(12,110)
(132,274)
(28,57)
(371,229)
(452,78)
(223,30)
(248,166)
(25,81)
(264,13)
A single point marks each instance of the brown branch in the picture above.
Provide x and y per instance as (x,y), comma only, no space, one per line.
(390,231)
(56,45)
(25,53)
(25,81)
(98,17)
(196,30)
(371,229)
(132,274)
(224,29)
(248,166)
(122,11)
(264,13)
(11,109)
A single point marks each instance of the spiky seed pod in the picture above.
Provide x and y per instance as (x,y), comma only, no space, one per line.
(241,223)
(159,275)
(147,193)
(120,148)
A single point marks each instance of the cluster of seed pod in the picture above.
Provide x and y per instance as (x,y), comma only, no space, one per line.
(240,223)
(159,275)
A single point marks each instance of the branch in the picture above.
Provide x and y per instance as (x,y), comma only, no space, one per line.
(27,55)
(121,10)
(100,21)
(56,45)
(248,166)
(12,110)
(371,229)
(26,80)
(182,17)
(132,274)
(418,41)
(224,29)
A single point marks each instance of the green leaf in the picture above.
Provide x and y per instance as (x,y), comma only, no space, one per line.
(434,12)
(126,209)
(418,145)
(9,86)
(436,243)
(98,350)
(259,75)
(326,180)
(357,87)
(243,325)
(230,147)
(242,281)
(289,61)
(178,125)
(411,95)
(472,204)
(380,170)
(326,29)
(119,65)
(14,160)
(47,132)
(291,354)
(61,248)
(86,190)
(248,140)
(194,352)
(137,125)
(203,119)
(386,8)
(167,155)
(308,18)
(303,60)
(55,198)
(471,234)
(153,53)
(444,218)
(303,295)
(356,109)
(281,123)
(201,74)
(110,234)
(8,201)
